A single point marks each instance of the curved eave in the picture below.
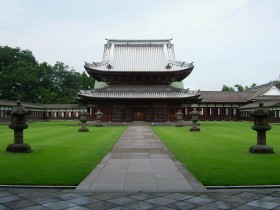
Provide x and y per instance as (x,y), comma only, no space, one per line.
(101,75)
(138,40)
(127,97)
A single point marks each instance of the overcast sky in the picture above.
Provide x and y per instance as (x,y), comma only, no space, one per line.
(230,41)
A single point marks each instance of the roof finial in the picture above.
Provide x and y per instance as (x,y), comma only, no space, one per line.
(109,66)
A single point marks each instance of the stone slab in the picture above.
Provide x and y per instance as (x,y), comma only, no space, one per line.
(138,162)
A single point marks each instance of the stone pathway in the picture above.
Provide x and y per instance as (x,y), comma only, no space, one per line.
(139,162)
(35,199)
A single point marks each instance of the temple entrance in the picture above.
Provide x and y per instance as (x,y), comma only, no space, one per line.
(134,113)
(139,115)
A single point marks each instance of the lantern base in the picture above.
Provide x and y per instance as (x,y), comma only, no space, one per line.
(23,148)
(83,130)
(194,129)
(98,123)
(261,149)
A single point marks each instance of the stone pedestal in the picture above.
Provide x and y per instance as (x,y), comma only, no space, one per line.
(194,120)
(83,119)
(194,128)
(18,124)
(261,149)
(22,148)
(261,125)
(83,128)
(98,115)
(179,119)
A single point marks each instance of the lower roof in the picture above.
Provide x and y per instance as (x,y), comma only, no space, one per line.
(14,103)
(40,106)
(225,96)
(139,92)
(272,103)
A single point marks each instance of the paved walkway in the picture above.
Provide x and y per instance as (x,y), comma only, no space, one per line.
(139,162)
(35,199)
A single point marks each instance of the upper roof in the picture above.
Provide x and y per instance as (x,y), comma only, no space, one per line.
(139,56)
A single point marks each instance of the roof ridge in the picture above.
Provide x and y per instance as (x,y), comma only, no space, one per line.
(138,40)
(260,86)
(224,91)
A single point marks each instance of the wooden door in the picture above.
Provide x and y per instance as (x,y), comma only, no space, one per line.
(139,115)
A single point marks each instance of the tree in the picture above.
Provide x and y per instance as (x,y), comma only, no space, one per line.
(277,83)
(17,69)
(240,88)
(10,55)
(227,88)
(27,80)
(86,82)
(254,85)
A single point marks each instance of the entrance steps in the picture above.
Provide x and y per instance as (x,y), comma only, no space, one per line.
(140,123)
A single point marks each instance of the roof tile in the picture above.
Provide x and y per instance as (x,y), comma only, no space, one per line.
(139,91)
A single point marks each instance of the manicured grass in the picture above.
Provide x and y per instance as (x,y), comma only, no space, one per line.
(61,155)
(218,155)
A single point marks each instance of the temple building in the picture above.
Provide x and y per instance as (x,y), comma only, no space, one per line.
(269,95)
(138,80)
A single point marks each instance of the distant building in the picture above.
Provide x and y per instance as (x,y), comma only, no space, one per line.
(269,95)
(43,111)
(227,105)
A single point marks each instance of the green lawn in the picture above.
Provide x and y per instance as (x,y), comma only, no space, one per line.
(61,155)
(218,155)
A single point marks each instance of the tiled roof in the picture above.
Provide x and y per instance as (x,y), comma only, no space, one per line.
(256,88)
(61,106)
(225,96)
(139,56)
(274,103)
(139,91)
(41,106)
(259,90)
(13,103)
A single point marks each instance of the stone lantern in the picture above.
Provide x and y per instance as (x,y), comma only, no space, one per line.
(18,124)
(261,125)
(98,115)
(83,118)
(179,118)
(194,120)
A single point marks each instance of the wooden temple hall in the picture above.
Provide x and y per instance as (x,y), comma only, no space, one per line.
(138,80)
